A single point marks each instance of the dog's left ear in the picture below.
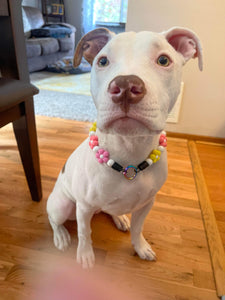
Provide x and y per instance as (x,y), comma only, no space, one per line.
(91,44)
(186,43)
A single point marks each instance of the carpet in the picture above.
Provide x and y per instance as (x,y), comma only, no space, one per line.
(65,96)
(76,84)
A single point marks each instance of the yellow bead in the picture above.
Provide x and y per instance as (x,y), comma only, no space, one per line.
(93,127)
(155,155)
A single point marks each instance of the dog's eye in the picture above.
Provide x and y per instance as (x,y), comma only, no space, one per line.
(163,61)
(103,61)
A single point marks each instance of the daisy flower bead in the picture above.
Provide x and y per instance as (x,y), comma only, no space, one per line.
(155,155)
(93,127)
(93,141)
(163,140)
(102,156)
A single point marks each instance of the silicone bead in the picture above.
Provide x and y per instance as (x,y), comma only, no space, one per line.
(92,133)
(143,165)
(117,167)
(163,140)
(149,161)
(110,162)
(102,156)
(96,148)
(161,148)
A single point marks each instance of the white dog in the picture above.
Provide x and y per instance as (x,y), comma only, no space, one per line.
(135,81)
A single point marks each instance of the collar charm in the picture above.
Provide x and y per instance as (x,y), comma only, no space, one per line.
(130,172)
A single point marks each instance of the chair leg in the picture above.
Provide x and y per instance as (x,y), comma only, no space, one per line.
(26,136)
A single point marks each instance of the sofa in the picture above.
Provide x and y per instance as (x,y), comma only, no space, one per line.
(45,43)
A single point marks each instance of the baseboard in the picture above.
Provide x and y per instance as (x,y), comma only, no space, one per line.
(192,137)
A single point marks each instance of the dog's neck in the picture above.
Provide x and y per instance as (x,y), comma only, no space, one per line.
(127,149)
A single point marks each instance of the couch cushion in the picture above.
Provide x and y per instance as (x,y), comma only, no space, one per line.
(41,46)
(65,44)
(49,45)
(33,48)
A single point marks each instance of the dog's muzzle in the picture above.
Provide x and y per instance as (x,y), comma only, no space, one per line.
(126,90)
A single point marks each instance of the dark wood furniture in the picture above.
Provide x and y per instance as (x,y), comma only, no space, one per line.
(16,92)
(53,9)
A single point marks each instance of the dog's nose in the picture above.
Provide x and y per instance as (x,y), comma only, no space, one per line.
(126,90)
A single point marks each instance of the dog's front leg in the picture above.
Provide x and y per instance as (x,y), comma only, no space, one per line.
(85,254)
(141,246)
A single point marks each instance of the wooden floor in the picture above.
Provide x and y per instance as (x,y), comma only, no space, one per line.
(174,227)
(212,159)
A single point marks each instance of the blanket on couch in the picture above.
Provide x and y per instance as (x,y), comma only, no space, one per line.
(52,30)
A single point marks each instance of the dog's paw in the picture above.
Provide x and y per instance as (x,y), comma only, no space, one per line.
(122,222)
(85,256)
(144,250)
(62,238)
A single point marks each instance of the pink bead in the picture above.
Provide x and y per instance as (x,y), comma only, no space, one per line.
(101,151)
(102,156)
(93,141)
(163,140)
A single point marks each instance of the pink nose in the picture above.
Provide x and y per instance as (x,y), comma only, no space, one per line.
(126,90)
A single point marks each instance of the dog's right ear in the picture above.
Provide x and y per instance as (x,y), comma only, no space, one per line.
(91,44)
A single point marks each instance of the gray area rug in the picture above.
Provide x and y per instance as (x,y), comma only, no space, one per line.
(65,105)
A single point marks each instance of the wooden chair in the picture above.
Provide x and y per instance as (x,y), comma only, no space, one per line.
(16,92)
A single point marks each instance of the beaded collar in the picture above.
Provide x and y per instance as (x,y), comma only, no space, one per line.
(130,172)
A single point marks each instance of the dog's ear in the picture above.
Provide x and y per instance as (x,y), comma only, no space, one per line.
(185,42)
(91,44)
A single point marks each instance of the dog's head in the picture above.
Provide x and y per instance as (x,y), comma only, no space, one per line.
(136,77)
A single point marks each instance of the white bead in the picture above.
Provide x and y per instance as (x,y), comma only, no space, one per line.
(101,156)
(163,132)
(110,162)
(161,148)
(149,161)
(92,133)
(96,148)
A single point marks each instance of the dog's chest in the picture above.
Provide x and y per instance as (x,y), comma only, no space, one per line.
(126,196)
(104,188)
(114,194)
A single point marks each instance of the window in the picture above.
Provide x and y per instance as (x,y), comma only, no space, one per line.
(110,11)
(104,13)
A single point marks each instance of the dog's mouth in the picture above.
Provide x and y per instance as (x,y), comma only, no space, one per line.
(126,125)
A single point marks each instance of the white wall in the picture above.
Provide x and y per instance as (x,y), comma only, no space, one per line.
(203,107)
(74,16)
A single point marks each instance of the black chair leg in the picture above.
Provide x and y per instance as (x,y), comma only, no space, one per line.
(26,136)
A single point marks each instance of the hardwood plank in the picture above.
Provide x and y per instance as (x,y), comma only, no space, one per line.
(213,236)
(203,277)
(12,291)
(5,267)
(212,158)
